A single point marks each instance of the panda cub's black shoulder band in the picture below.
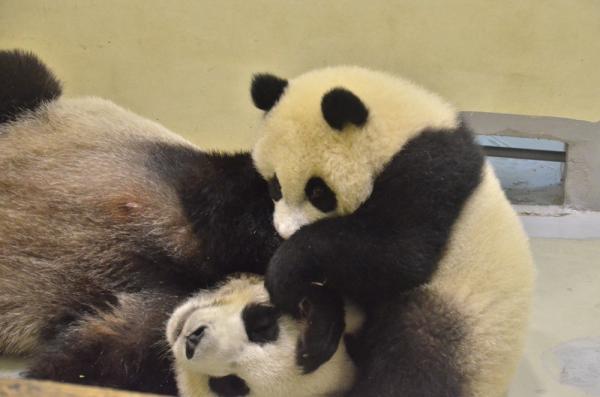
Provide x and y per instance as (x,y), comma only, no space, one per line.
(266,90)
(25,83)
(340,107)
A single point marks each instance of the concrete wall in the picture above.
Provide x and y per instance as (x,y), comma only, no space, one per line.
(187,63)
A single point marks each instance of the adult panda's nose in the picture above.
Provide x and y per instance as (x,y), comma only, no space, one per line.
(192,340)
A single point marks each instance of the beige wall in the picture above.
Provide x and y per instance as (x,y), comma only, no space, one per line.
(188,63)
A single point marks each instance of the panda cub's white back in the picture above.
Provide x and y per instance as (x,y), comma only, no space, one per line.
(231,341)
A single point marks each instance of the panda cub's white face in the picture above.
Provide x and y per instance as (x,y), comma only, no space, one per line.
(231,341)
(326,138)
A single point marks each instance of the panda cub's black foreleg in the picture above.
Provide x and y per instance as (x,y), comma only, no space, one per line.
(343,255)
(348,262)
(323,310)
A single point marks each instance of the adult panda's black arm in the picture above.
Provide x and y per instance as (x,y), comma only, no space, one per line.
(121,345)
(394,241)
(226,202)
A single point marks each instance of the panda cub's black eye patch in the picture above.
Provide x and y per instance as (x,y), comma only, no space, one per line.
(275,189)
(320,195)
(261,322)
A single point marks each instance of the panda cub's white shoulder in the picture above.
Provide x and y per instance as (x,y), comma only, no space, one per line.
(230,341)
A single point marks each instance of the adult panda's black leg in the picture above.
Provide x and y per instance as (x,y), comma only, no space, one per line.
(410,347)
(122,347)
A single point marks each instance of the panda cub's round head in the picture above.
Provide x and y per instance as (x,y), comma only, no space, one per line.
(231,341)
(327,134)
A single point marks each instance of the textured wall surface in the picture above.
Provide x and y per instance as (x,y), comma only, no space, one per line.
(187,63)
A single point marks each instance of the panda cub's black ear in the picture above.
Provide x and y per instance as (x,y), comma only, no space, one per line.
(340,106)
(25,83)
(266,90)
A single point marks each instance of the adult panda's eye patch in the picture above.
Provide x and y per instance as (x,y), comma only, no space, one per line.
(275,189)
(320,195)
(228,386)
(261,322)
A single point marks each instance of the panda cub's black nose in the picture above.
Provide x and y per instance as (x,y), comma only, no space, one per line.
(192,340)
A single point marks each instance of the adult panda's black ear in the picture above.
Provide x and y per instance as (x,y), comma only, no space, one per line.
(266,90)
(25,83)
(340,106)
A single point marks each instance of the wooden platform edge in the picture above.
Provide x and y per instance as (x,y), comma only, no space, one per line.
(34,388)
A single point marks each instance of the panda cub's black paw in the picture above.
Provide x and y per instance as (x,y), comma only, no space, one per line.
(323,311)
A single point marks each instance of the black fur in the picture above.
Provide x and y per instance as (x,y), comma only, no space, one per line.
(122,347)
(261,323)
(25,83)
(320,195)
(409,347)
(340,107)
(229,386)
(323,311)
(275,189)
(394,241)
(97,299)
(266,90)
(192,340)
(228,205)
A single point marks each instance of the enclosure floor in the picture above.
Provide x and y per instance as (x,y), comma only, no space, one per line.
(562,356)
(563,348)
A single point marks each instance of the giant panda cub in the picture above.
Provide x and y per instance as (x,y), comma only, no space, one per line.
(107,220)
(384,198)
(231,342)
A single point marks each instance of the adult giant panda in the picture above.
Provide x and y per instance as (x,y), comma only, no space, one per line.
(384,197)
(107,220)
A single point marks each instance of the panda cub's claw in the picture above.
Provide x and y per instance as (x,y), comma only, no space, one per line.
(323,312)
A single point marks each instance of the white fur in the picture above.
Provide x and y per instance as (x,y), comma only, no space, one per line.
(288,219)
(269,369)
(486,274)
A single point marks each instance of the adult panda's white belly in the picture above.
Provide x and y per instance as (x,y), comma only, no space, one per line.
(487,274)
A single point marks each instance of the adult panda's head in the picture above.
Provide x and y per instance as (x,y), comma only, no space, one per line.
(231,341)
(327,134)
(25,84)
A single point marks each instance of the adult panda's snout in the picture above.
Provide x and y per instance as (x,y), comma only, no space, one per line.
(192,341)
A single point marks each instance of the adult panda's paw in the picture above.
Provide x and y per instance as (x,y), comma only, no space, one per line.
(323,311)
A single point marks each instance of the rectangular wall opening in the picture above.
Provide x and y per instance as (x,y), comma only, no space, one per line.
(531,171)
